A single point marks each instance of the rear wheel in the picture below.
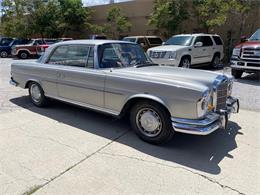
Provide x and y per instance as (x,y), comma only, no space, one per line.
(151,122)
(236,73)
(215,61)
(37,94)
(3,54)
(185,62)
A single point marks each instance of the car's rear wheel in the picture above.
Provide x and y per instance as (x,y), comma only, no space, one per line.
(185,62)
(23,55)
(236,73)
(3,54)
(215,61)
(151,122)
(37,94)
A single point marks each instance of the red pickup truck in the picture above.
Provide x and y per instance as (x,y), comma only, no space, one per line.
(34,48)
(246,56)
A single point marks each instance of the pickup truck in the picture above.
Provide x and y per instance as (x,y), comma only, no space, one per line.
(246,56)
(34,47)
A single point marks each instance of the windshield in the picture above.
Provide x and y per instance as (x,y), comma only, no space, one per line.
(179,40)
(255,36)
(118,55)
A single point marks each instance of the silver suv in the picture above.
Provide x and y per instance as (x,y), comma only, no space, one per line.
(189,49)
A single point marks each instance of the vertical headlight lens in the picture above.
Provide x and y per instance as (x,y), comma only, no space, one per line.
(203,103)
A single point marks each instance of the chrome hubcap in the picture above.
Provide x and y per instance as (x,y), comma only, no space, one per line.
(186,63)
(149,122)
(35,93)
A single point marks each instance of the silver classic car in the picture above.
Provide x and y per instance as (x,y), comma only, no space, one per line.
(117,78)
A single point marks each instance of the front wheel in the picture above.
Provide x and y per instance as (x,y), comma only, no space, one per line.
(37,95)
(236,73)
(151,122)
(185,62)
(3,54)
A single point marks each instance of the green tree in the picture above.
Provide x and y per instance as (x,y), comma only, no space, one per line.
(169,14)
(213,13)
(117,22)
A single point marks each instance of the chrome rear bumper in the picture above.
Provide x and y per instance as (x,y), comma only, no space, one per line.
(210,123)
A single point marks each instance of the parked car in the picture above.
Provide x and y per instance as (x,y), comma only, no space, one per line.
(33,48)
(64,39)
(99,37)
(50,41)
(187,50)
(146,42)
(117,78)
(246,56)
(5,41)
(5,50)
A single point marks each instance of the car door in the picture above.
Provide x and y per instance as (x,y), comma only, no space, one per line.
(202,53)
(77,80)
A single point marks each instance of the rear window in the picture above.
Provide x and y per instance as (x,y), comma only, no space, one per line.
(217,40)
(155,41)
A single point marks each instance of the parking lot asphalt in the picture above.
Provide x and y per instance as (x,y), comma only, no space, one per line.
(63,149)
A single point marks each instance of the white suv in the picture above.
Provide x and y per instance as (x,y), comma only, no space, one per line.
(189,49)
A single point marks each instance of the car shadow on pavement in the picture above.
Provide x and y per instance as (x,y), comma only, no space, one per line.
(251,79)
(203,153)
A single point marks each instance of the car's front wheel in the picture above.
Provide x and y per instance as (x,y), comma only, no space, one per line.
(236,73)
(185,62)
(37,94)
(151,122)
(3,54)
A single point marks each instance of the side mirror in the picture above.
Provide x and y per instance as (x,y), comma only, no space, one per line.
(198,44)
(243,39)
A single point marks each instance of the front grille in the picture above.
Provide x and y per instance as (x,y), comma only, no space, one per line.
(222,95)
(157,54)
(250,53)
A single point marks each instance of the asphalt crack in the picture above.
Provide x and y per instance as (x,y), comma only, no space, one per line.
(38,187)
(176,167)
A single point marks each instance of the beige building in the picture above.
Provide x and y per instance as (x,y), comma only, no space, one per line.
(139,11)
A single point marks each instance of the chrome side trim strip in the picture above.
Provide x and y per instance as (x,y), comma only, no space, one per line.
(92,107)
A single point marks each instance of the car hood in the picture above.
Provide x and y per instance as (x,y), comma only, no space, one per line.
(249,44)
(189,78)
(167,48)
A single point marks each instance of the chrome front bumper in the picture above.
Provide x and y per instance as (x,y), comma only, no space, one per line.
(210,123)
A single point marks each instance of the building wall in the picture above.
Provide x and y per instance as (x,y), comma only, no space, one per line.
(138,12)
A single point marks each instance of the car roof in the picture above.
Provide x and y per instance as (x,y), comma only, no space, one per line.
(196,34)
(142,36)
(91,42)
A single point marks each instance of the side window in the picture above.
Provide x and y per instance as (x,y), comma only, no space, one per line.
(207,41)
(70,55)
(141,40)
(155,41)
(217,40)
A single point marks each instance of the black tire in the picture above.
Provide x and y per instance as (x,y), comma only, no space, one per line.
(3,54)
(237,74)
(215,61)
(165,132)
(40,101)
(185,62)
(23,55)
